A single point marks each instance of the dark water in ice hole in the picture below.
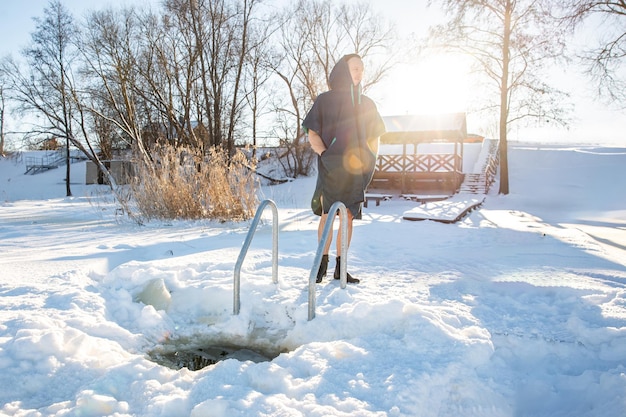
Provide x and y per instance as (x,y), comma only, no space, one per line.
(197,358)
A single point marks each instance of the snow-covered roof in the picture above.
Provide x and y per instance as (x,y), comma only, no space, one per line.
(449,127)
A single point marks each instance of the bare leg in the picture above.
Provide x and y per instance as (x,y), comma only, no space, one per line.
(320,230)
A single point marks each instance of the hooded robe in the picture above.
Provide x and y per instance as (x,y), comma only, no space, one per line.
(345,120)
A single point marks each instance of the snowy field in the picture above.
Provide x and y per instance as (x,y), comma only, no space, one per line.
(517,310)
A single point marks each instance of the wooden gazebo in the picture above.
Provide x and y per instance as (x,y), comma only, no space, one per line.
(421,153)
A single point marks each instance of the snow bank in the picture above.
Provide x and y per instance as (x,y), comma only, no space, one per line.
(517,310)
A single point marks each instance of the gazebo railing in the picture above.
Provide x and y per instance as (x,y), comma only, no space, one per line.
(418,163)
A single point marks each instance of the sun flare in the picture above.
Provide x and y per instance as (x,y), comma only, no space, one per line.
(438,84)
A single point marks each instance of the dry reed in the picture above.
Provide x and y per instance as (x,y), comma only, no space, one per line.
(185,184)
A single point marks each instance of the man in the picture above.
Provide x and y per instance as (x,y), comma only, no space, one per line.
(343,127)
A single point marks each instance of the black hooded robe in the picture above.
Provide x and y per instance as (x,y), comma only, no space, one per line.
(345,120)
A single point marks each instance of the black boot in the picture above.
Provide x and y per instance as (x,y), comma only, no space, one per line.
(349,277)
(321,273)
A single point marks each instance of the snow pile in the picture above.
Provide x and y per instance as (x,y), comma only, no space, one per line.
(517,310)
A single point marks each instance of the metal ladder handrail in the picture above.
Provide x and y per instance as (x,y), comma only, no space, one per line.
(246,245)
(343,275)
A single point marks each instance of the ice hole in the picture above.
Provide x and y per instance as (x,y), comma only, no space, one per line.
(260,346)
(194,358)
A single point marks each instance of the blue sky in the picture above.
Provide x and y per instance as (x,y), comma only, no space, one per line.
(16,23)
(16,18)
(593,121)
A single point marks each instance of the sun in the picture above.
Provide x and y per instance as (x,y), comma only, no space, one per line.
(435,85)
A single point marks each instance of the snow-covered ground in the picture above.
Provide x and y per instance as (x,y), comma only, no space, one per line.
(517,310)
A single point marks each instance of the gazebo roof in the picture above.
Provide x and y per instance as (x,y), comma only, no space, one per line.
(450,127)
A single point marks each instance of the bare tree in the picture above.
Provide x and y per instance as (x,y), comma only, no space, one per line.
(52,89)
(146,74)
(174,73)
(370,36)
(245,11)
(314,35)
(203,53)
(511,42)
(293,64)
(258,73)
(179,76)
(122,102)
(2,112)
(46,89)
(49,87)
(605,60)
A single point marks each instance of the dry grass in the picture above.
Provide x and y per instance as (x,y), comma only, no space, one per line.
(184,184)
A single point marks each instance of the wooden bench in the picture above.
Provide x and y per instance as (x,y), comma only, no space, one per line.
(424,198)
(450,211)
(376,197)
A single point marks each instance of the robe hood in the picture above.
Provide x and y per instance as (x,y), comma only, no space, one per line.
(341,80)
